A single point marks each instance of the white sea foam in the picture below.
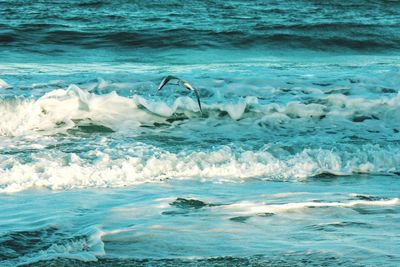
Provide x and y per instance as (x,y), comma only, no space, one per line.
(143,163)
(61,109)
(247,207)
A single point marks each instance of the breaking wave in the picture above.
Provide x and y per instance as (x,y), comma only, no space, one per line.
(64,109)
(142,163)
(28,247)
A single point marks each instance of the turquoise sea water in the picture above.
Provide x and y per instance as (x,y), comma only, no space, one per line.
(295,160)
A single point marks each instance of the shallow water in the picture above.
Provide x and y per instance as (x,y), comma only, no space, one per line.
(318,221)
(294,161)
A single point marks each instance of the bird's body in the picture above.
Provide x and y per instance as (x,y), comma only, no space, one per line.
(182,83)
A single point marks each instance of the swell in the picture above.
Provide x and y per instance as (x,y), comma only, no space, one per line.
(369,38)
(371,26)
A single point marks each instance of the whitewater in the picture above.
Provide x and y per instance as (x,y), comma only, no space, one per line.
(293,161)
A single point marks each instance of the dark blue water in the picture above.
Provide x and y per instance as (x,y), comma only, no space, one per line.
(293,161)
(123,28)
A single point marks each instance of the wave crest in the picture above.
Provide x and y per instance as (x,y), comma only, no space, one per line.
(63,109)
(143,163)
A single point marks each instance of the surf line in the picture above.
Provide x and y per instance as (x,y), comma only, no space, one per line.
(182,83)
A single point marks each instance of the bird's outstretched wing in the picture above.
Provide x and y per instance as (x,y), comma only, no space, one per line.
(166,80)
(198,99)
(183,83)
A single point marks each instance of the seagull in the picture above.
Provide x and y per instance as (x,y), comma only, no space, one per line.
(182,83)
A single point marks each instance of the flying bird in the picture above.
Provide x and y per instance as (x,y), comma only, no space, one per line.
(182,83)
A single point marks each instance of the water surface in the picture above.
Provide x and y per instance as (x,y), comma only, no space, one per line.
(294,160)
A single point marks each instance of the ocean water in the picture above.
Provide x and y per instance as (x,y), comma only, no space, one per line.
(294,161)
